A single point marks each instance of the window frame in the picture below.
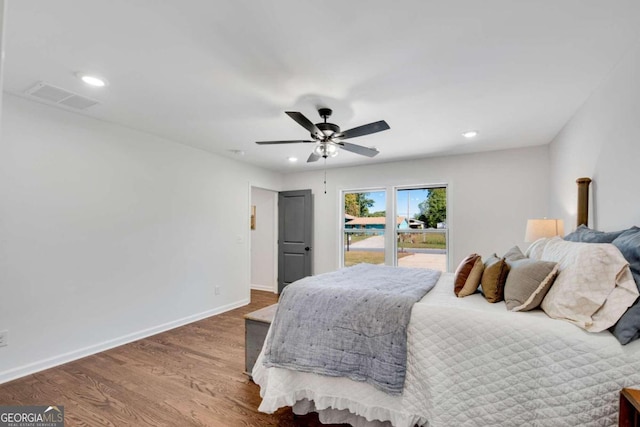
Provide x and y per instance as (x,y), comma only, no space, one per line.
(341,232)
(395,204)
(391,240)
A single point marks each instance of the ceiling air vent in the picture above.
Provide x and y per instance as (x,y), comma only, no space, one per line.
(56,95)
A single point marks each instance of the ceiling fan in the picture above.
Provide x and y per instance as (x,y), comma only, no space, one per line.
(328,136)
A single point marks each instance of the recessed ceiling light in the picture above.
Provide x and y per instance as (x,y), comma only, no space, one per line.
(470,134)
(292,159)
(92,80)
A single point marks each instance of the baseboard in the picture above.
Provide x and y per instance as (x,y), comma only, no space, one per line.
(262,288)
(51,362)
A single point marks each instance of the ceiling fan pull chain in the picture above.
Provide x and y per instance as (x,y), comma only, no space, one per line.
(325,175)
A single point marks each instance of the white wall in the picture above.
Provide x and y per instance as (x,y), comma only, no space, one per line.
(263,240)
(108,234)
(2,26)
(491,196)
(602,141)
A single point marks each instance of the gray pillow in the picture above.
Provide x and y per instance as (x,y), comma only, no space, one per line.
(629,244)
(514,254)
(528,282)
(628,327)
(586,235)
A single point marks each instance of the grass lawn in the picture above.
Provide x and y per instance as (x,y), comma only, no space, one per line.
(356,257)
(430,241)
(411,240)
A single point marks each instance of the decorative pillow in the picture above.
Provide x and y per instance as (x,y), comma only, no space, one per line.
(467,276)
(628,242)
(594,287)
(628,327)
(534,251)
(587,235)
(528,282)
(514,254)
(493,278)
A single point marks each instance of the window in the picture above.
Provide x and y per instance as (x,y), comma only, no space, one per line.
(422,231)
(363,227)
(419,236)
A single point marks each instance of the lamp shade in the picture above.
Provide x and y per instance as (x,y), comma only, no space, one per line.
(538,228)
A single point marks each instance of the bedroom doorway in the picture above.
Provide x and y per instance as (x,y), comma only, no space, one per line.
(264,238)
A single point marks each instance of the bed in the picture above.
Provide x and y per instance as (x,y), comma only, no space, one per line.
(472,363)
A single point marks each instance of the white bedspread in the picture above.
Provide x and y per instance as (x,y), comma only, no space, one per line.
(471,363)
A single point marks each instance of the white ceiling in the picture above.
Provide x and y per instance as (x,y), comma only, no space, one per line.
(219,74)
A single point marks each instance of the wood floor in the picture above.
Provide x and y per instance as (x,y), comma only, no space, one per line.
(189,376)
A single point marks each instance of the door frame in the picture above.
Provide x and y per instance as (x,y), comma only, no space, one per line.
(274,279)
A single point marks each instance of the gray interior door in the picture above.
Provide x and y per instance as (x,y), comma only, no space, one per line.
(294,236)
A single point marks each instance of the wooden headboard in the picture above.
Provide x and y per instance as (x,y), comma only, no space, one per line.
(583,201)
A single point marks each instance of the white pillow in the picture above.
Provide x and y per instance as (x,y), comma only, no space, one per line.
(534,251)
(594,287)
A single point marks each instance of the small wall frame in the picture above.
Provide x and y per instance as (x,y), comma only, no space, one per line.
(253,217)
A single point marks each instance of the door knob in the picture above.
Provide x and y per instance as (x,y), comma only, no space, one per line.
(307,248)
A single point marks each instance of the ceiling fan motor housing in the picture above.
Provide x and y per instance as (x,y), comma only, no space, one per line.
(328,129)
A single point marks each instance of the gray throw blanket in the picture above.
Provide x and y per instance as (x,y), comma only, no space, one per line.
(351,323)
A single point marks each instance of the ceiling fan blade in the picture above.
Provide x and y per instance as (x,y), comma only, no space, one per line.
(363,130)
(359,149)
(304,122)
(281,142)
(313,158)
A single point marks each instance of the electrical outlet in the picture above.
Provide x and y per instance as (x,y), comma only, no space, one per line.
(4,338)
(217,290)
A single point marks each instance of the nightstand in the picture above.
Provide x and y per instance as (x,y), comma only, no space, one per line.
(629,408)
(256,325)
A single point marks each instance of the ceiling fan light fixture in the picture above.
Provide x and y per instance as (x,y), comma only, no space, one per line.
(326,150)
